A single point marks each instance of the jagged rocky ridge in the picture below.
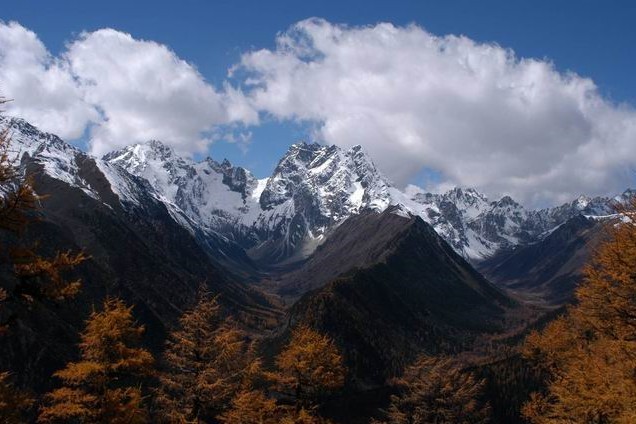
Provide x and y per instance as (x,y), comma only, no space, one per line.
(312,190)
(315,187)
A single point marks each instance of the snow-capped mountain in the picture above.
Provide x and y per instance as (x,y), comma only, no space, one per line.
(312,190)
(217,196)
(316,187)
(478,228)
(66,163)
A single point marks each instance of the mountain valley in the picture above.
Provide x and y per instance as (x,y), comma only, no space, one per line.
(326,241)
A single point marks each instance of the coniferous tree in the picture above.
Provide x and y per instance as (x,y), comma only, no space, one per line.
(105,386)
(17,197)
(438,390)
(309,367)
(302,416)
(208,361)
(252,407)
(590,352)
(14,403)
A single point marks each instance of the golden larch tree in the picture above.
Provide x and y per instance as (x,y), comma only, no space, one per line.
(25,274)
(590,352)
(302,416)
(207,362)
(438,390)
(251,407)
(309,367)
(37,276)
(254,407)
(106,385)
(14,403)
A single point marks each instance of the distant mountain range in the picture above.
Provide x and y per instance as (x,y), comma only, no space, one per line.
(325,240)
(313,189)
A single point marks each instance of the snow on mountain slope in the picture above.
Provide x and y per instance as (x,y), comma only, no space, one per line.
(69,164)
(313,189)
(477,228)
(217,196)
(66,163)
(57,157)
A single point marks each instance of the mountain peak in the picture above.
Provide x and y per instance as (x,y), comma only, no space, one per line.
(582,201)
(137,158)
(313,189)
(159,147)
(357,148)
(26,138)
(507,201)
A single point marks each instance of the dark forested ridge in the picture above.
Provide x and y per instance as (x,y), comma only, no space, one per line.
(407,292)
(550,270)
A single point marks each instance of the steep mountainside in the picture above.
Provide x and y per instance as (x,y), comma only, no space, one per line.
(139,249)
(312,189)
(550,270)
(479,229)
(408,290)
(217,196)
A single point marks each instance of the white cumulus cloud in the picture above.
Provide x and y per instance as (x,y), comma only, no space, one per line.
(122,89)
(473,112)
(41,86)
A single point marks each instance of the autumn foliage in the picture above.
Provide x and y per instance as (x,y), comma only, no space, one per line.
(251,407)
(207,360)
(13,402)
(17,197)
(438,390)
(309,367)
(106,385)
(26,275)
(590,352)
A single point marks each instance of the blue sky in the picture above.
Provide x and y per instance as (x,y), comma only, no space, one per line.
(592,38)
